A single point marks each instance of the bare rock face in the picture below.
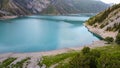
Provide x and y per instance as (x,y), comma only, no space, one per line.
(34,6)
(22,7)
(29,7)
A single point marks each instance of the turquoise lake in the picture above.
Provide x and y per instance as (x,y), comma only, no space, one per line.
(44,33)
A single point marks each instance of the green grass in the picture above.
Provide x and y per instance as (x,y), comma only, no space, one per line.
(50,60)
(61,59)
(109,49)
(7,62)
(64,63)
(20,64)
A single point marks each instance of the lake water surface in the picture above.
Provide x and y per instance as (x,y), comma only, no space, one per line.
(43,33)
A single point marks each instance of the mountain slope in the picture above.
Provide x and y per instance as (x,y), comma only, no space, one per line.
(78,6)
(22,7)
(28,7)
(106,23)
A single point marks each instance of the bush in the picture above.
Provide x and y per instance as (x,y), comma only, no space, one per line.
(118,39)
(109,61)
(80,61)
(116,27)
(109,29)
(105,57)
(119,31)
(109,39)
(102,26)
(95,25)
(95,53)
(87,60)
(83,61)
(86,50)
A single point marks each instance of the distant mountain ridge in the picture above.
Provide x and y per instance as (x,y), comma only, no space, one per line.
(78,6)
(28,7)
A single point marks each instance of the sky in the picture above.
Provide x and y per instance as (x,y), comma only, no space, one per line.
(111,1)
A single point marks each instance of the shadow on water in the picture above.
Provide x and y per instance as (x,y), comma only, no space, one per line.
(75,23)
(60,18)
(96,35)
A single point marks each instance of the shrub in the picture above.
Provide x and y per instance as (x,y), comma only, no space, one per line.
(80,61)
(88,60)
(109,39)
(106,23)
(119,31)
(102,26)
(98,58)
(109,61)
(86,50)
(109,29)
(95,53)
(95,25)
(118,39)
(116,26)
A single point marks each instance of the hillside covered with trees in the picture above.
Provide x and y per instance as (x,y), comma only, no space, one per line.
(106,23)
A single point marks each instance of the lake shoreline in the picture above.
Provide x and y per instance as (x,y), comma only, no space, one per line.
(8,17)
(95,44)
(100,32)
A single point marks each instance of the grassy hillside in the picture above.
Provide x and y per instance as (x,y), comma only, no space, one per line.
(102,57)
